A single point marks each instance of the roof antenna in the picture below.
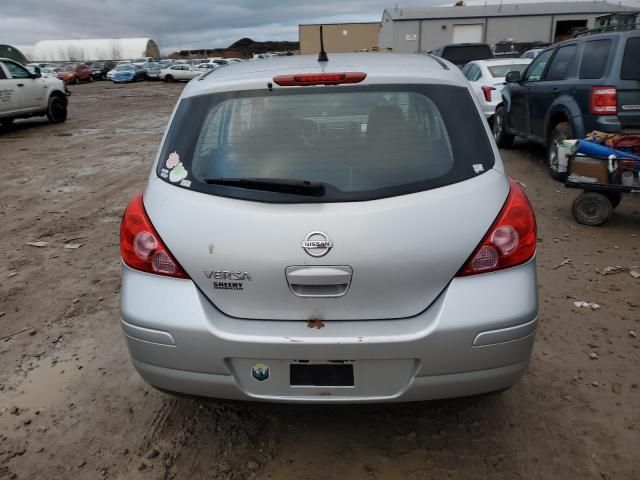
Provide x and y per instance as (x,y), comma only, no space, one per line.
(322,56)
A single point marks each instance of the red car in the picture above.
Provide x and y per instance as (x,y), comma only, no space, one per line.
(75,73)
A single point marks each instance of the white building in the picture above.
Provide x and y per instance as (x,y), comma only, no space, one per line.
(93,49)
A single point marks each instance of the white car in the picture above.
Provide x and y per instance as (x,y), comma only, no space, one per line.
(487,79)
(26,94)
(205,67)
(533,53)
(141,61)
(179,72)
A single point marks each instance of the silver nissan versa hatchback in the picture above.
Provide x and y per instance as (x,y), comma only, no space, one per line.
(338,231)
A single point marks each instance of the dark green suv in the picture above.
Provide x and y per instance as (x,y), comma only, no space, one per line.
(591,82)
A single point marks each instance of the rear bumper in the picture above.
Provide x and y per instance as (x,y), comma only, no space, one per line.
(605,123)
(489,108)
(476,337)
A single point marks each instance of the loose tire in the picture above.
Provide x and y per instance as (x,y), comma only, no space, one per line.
(560,132)
(592,208)
(169,78)
(57,110)
(502,138)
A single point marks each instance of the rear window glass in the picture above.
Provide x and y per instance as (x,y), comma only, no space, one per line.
(500,71)
(465,54)
(594,58)
(361,142)
(630,63)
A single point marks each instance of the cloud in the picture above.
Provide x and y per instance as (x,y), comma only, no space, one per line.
(184,24)
(177,24)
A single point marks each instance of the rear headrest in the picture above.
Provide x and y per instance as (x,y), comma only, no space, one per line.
(386,119)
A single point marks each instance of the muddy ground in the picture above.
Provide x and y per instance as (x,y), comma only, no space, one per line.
(71,405)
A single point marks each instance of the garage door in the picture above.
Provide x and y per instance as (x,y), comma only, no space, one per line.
(467,33)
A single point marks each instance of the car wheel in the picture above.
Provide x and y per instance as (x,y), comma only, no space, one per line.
(76,80)
(169,78)
(591,208)
(91,78)
(502,138)
(6,122)
(561,131)
(57,111)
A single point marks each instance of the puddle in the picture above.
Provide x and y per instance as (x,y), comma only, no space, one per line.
(128,131)
(42,387)
(87,171)
(87,131)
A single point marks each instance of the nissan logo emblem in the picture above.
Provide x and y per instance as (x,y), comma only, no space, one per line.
(317,244)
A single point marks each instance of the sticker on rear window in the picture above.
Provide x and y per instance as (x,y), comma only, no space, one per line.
(173,160)
(478,168)
(178,173)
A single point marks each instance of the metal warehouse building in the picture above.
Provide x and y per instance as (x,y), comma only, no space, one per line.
(339,37)
(406,30)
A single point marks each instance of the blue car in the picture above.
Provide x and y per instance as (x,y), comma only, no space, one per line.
(128,73)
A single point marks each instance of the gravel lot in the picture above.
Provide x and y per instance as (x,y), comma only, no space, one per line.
(71,405)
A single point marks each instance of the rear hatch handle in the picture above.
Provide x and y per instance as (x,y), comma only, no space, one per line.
(319,281)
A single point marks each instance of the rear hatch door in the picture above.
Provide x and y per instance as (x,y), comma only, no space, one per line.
(408,190)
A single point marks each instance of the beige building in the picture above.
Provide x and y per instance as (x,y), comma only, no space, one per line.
(339,37)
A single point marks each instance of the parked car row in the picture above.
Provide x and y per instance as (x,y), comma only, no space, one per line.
(131,70)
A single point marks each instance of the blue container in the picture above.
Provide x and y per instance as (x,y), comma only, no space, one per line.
(592,149)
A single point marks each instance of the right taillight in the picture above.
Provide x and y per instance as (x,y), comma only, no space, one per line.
(603,101)
(486,91)
(511,240)
(140,245)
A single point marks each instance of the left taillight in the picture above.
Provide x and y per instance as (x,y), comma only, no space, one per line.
(511,240)
(140,245)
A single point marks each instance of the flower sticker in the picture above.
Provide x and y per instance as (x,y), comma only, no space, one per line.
(173,160)
(178,173)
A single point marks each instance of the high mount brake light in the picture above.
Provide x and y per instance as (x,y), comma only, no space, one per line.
(306,79)
(511,240)
(140,245)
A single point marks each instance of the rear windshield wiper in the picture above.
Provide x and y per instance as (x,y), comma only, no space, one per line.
(295,187)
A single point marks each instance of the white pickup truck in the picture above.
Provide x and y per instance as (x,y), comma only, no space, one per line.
(24,94)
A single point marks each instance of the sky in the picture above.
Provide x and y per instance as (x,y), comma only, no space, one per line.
(186,24)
